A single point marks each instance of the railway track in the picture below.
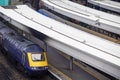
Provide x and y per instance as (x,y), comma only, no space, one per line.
(5,73)
(8,71)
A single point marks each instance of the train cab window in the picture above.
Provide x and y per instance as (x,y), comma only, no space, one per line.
(37,57)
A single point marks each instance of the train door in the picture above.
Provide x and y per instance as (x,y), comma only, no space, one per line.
(23,58)
(21,65)
(0,39)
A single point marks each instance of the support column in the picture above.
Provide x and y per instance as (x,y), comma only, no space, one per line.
(45,46)
(23,33)
(28,36)
(71,63)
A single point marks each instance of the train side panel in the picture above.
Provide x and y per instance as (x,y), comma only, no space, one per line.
(9,46)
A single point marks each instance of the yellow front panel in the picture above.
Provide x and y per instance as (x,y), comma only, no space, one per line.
(37,63)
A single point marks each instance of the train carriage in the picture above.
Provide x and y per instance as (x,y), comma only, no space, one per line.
(26,53)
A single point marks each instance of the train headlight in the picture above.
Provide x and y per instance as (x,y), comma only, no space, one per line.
(46,68)
(34,68)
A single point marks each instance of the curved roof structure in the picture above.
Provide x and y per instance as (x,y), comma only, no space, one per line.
(84,14)
(97,52)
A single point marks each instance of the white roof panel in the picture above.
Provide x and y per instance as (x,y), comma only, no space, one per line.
(69,31)
(87,15)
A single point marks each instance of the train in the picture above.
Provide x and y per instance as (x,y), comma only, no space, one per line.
(26,54)
(108,6)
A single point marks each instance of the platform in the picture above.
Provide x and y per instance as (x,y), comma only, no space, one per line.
(62,64)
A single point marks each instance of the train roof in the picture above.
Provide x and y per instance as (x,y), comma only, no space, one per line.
(6,30)
(18,41)
(14,38)
(107,4)
(85,14)
(2,25)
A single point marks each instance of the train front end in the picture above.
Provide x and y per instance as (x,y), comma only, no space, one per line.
(37,62)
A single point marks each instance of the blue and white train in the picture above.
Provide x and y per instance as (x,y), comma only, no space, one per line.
(27,54)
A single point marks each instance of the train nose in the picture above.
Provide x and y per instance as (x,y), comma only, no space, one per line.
(37,60)
(34,71)
(39,68)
